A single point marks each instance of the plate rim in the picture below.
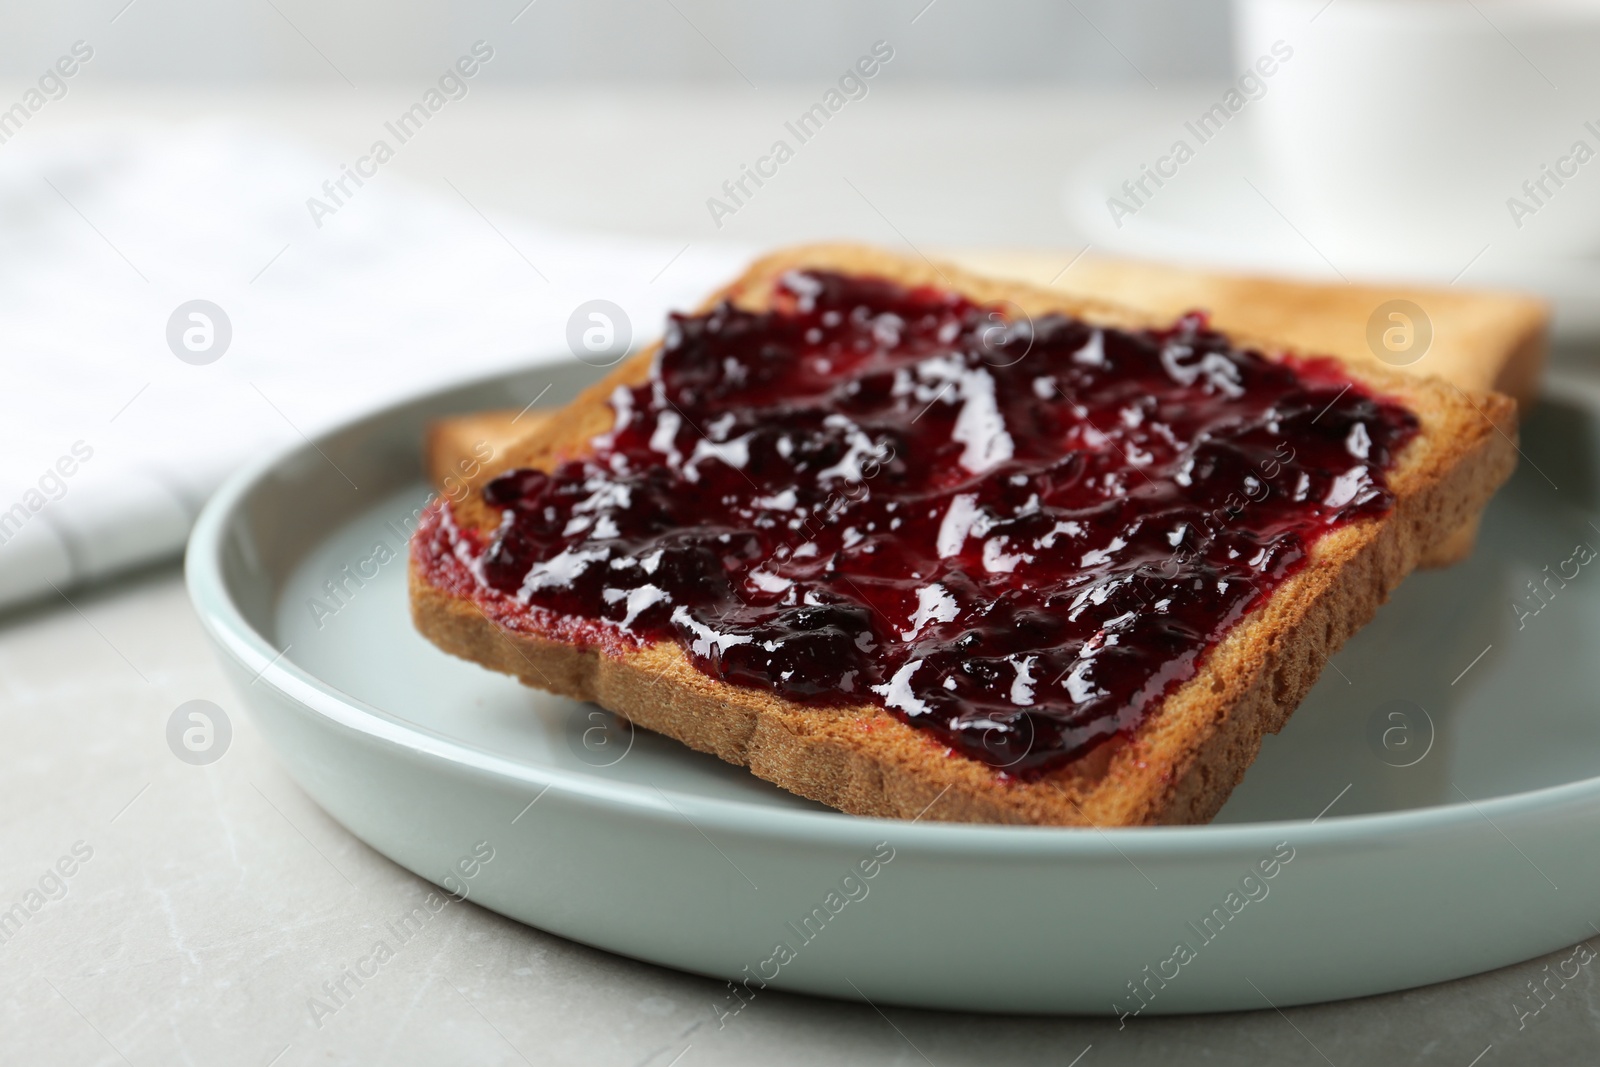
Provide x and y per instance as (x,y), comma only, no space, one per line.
(233,635)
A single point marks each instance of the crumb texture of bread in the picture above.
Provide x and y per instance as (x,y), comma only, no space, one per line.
(1179,766)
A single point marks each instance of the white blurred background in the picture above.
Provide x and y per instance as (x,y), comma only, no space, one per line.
(201,151)
(556,41)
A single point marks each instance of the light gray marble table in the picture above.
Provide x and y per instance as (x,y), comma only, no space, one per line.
(215,901)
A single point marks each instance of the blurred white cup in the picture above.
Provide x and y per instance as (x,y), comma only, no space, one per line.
(1409,134)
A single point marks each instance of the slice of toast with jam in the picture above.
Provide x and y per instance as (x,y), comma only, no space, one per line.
(909,541)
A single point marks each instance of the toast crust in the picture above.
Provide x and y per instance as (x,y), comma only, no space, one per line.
(1181,763)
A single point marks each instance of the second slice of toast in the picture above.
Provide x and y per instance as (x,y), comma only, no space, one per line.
(1188,750)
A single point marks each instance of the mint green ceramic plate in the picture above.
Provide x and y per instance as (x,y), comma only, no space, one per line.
(1431,810)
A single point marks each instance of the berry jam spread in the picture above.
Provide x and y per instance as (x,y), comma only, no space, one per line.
(1017,536)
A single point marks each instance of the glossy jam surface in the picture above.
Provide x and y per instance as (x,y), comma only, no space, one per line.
(1015,535)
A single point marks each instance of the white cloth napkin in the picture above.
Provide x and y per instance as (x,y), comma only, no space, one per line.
(109,442)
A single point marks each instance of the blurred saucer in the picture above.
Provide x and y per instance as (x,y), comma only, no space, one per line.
(1222,209)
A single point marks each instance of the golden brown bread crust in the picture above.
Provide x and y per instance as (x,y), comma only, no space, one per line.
(457,450)
(455,446)
(1178,767)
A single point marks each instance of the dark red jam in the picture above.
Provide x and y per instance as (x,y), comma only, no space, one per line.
(1017,536)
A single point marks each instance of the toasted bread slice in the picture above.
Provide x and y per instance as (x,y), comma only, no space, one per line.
(1178,766)
(1482,341)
